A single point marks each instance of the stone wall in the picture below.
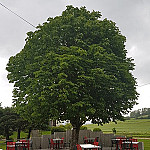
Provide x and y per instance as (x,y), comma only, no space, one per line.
(104,139)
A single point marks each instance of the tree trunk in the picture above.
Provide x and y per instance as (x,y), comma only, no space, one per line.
(75,137)
(29,133)
(7,133)
(18,133)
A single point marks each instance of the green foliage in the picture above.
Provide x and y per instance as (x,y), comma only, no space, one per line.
(143,113)
(68,126)
(58,129)
(22,135)
(146,143)
(3,145)
(8,121)
(73,67)
(114,130)
(83,128)
(45,132)
(96,130)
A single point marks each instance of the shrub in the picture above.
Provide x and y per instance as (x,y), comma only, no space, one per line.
(96,129)
(68,126)
(114,130)
(58,129)
(83,128)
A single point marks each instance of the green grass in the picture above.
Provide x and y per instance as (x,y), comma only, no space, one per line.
(22,135)
(14,136)
(146,143)
(136,128)
(2,145)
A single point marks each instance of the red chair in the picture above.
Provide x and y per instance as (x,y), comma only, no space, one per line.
(96,139)
(78,147)
(85,140)
(135,146)
(53,145)
(62,142)
(26,143)
(10,145)
(96,144)
(119,145)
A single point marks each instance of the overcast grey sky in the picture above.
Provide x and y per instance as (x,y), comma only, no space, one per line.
(131,16)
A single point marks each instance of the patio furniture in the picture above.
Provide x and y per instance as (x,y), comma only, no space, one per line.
(85,140)
(56,142)
(89,140)
(52,144)
(127,145)
(90,146)
(117,142)
(10,145)
(26,143)
(20,146)
(62,142)
(135,145)
(96,139)
(49,143)
(130,144)
(78,147)
(96,143)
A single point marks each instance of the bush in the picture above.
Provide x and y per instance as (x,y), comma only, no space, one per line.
(58,129)
(68,126)
(83,128)
(114,130)
(96,130)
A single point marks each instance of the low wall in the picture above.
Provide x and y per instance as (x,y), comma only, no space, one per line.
(104,139)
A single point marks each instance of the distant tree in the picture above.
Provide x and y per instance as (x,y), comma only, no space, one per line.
(8,123)
(145,111)
(135,114)
(74,67)
(140,112)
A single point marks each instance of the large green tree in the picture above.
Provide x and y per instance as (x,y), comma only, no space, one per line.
(74,67)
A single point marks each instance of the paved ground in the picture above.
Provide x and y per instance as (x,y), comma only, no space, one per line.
(104,148)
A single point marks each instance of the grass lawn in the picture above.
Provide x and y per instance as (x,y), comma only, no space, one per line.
(133,127)
(137,128)
(146,143)
(2,145)
(22,135)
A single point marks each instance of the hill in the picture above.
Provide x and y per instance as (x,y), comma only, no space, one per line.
(132,127)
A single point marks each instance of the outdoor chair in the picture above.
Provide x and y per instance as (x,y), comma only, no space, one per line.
(20,146)
(119,144)
(52,144)
(135,146)
(49,142)
(62,142)
(95,143)
(96,139)
(127,145)
(10,145)
(26,143)
(85,140)
(78,147)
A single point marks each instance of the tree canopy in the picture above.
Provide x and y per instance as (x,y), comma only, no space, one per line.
(74,67)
